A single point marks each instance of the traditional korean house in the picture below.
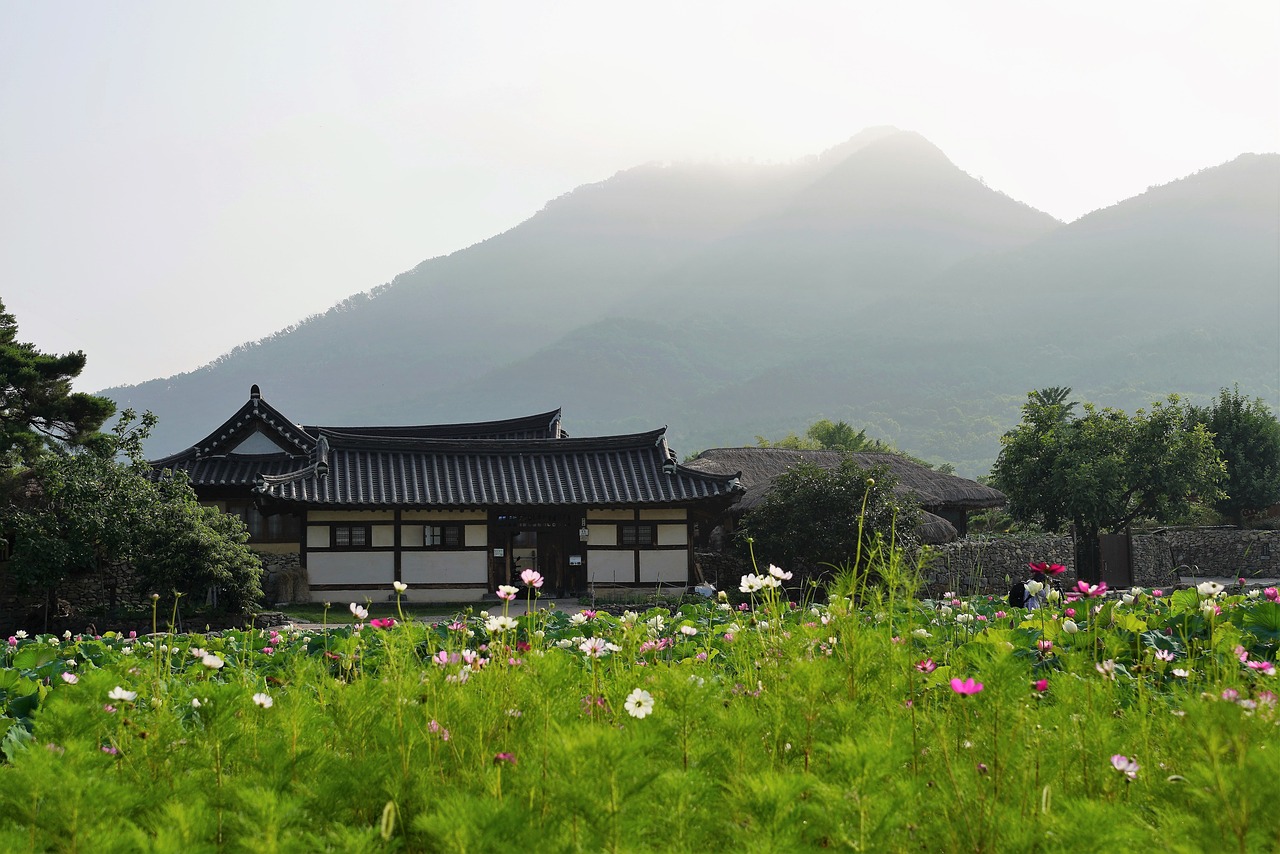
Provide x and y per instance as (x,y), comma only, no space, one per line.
(945,498)
(454,510)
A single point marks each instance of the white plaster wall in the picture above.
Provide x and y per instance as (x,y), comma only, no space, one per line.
(444,568)
(670,513)
(673,535)
(475,535)
(317,536)
(608,567)
(602,535)
(350,568)
(384,535)
(669,567)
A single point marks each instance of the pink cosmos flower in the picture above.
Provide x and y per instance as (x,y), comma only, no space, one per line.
(1041,685)
(1093,591)
(1241,653)
(1231,695)
(926,666)
(1266,668)
(966,686)
(532,578)
(1125,765)
(499,758)
(1164,655)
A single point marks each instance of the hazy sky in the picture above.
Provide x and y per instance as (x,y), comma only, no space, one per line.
(178,178)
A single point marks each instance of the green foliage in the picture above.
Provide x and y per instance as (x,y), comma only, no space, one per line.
(828,436)
(1247,435)
(38,410)
(99,506)
(1103,469)
(814,516)
(772,729)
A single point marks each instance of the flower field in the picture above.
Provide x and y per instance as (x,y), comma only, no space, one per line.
(876,721)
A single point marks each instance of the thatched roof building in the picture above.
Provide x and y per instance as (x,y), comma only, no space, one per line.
(945,498)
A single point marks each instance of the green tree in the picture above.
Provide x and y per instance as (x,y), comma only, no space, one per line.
(85,510)
(1247,435)
(38,410)
(814,516)
(825,434)
(1103,469)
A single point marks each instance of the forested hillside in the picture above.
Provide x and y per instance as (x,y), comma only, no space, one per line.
(877,284)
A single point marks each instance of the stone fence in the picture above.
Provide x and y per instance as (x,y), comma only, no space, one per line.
(987,564)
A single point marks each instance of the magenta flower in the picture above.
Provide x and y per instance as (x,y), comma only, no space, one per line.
(1041,685)
(1266,668)
(966,686)
(1093,591)
(1272,593)
(1044,645)
(509,758)
(926,666)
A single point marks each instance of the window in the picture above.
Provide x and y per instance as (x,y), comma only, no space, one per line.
(276,528)
(637,536)
(350,536)
(442,536)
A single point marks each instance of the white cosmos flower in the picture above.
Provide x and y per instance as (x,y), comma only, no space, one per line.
(212,661)
(1034,587)
(921,633)
(399,586)
(1180,673)
(70,678)
(118,693)
(688,630)
(751,583)
(1209,588)
(593,647)
(777,572)
(638,703)
(263,700)
(494,625)
(359,611)
(195,703)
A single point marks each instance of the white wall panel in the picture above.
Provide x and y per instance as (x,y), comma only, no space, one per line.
(669,567)
(444,568)
(350,568)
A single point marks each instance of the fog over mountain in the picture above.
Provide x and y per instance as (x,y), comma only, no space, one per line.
(875,283)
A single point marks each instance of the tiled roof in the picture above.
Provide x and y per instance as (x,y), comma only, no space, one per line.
(527,461)
(545,425)
(361,471)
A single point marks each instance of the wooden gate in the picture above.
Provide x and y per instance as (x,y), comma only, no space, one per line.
(1117,569)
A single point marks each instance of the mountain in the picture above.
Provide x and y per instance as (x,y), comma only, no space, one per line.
(877,283)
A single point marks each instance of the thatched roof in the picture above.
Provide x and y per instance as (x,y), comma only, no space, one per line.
(933,490)
(934,530)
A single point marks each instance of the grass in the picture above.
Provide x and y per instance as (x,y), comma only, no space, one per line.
(1145,724)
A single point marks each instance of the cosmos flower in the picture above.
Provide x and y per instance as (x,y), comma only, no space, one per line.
(1125,765)
(639,703)
(966,686)
(263,700)
(532,578)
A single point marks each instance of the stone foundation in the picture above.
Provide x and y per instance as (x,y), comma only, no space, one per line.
(284,580)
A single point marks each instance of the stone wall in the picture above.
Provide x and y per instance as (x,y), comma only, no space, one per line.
(283,578)
(1209,552)
(990,564)
(987,564)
